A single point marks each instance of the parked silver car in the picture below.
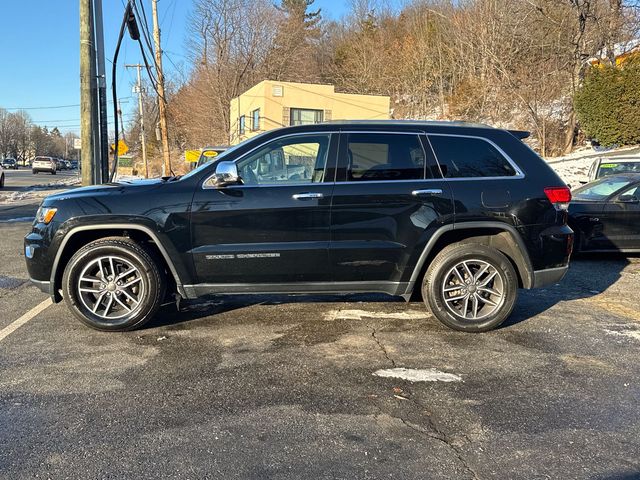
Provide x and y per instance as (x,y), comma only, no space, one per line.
(606,166)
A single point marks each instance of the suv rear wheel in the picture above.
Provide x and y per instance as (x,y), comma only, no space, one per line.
(113,284)
(470,287)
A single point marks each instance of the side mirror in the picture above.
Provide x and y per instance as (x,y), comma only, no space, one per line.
(226,174)
(628,199)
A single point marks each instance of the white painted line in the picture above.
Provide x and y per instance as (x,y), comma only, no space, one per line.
(414,375)
(8,330)
(635,334)
(361,314)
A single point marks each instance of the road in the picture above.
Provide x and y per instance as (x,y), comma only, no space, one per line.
(23,190)
(286,388)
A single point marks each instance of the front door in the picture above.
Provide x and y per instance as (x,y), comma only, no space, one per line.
(274,227)
(621,219)
(387,202)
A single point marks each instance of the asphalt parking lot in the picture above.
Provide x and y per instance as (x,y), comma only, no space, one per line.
(278,387)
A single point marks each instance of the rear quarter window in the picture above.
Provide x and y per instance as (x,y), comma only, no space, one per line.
(469,157)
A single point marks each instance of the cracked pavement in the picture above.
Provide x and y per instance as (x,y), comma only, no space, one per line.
(279,388)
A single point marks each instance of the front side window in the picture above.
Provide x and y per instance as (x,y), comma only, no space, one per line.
(305,116)
(289,160)
(255,120)
(379,156)
(464,157)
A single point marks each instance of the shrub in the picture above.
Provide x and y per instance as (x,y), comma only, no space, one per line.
(608,104)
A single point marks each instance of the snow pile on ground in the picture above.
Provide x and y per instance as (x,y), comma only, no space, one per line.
(37,192)
(574,168)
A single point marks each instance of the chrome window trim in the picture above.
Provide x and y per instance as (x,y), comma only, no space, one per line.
(297,134)
(519,174)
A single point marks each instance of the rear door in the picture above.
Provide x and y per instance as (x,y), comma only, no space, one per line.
(274,228)
(387,202)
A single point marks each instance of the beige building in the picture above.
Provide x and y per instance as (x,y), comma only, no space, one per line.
(271,104)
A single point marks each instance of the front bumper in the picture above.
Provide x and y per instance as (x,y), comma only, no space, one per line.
(44,286)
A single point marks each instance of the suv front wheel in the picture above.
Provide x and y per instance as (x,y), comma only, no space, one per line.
(470,287)
(113,284)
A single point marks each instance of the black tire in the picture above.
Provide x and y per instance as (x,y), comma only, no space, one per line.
(2,181)
(53,172)
(439,276)
(151,286)
(35,172)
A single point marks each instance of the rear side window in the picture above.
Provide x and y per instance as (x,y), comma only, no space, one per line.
(465,157)
(379,156)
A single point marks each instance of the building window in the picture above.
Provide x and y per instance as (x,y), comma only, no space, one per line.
(304,116)
(255,120)
(241,125)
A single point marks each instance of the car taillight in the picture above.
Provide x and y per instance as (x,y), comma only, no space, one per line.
(559,197)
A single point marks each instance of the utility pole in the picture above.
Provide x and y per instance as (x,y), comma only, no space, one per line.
(142,137)
(121,122)
(162,101)
(88,107)
(103,141)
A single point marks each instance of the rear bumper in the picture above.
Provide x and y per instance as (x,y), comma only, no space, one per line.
(549,276)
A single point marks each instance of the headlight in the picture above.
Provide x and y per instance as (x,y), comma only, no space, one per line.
(45,214)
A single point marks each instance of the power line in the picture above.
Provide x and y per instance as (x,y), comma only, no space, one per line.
(52,107)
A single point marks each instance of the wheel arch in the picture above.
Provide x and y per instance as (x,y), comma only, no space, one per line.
(81,235)
(498,235)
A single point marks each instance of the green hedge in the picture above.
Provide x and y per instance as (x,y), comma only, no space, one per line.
(608,104)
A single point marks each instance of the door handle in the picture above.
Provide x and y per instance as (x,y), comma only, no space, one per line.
(307,196)
(429,191)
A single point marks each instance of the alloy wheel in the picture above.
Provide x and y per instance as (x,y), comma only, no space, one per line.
(111,287)
(473,289)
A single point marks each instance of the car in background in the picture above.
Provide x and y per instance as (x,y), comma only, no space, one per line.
(67,164)
(607,166)
(61,164)
(44,164)
(209,154)
(74,164)
(605,214)
(10,163)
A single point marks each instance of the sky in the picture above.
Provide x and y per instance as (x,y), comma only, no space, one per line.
(39,54)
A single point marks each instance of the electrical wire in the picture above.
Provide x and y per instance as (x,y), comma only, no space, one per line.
(114,90)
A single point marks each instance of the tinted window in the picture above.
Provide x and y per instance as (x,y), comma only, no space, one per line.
(462,157)
(375,156)
(297,159)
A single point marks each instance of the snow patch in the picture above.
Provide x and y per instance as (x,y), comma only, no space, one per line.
(360,314)
(19,219)
(416,375)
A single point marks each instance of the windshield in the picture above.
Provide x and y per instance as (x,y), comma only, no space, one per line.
(600,189)
(613,168)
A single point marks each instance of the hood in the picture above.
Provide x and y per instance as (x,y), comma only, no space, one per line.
(120,187)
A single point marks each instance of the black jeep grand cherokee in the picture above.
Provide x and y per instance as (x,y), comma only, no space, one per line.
(465,213)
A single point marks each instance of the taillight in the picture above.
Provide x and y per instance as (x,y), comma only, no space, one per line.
(559,197)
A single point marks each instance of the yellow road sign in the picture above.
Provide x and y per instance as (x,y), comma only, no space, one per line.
(192,156)
(122,147)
